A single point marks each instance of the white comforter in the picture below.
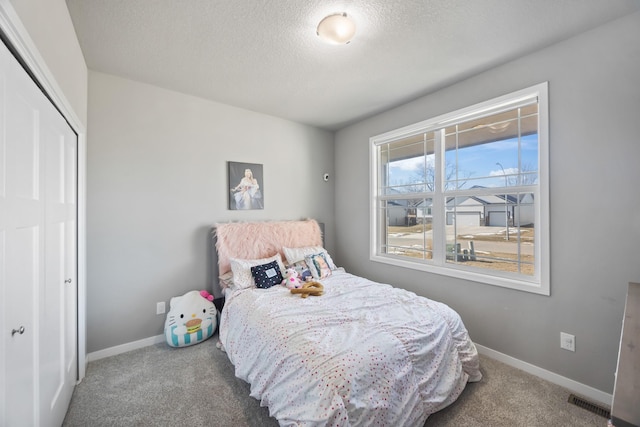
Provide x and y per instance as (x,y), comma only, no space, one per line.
(361,354)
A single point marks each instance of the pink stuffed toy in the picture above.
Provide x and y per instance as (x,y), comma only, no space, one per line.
(206,295)
(291,280)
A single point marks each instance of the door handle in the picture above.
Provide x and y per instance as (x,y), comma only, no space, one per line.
(67,281)
(17,331)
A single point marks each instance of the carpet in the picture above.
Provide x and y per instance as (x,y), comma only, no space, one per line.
(196,386)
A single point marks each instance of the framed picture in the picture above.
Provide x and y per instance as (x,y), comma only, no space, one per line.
(246,186)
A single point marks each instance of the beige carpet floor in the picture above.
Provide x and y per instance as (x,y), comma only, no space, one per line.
(195,386)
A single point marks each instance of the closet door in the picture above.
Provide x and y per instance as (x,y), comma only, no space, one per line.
(22,238)
(57,358)
(38,355)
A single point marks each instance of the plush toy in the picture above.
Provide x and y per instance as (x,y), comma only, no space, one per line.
(291,279)
(191,319)
(309,288)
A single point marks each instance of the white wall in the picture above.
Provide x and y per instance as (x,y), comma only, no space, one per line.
(595,205)
(50,27)
(157,183)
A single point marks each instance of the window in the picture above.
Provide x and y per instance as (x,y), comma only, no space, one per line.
(466,194)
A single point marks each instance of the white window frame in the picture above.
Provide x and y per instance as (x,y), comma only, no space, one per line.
(539,283)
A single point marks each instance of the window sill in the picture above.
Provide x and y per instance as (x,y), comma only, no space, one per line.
(451,271)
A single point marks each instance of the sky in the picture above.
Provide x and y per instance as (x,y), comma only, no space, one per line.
(477,165)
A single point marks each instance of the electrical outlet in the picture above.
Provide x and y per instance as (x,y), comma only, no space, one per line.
(567,341)
(160,307)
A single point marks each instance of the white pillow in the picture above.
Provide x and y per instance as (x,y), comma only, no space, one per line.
(294,255)
(241,268)
(226,280)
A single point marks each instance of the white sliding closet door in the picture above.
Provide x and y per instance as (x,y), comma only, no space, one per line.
(38,253)
(57,315)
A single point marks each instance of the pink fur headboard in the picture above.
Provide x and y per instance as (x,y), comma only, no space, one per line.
(255,240)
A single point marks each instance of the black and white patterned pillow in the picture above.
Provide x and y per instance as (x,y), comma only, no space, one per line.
(267,275)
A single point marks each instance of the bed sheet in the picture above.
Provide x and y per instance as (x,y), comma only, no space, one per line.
(363,353)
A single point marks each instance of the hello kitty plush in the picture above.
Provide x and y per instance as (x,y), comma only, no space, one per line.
(291,280)
(191,320)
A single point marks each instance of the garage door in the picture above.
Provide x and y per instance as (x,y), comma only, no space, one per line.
(497,219)
(464,218)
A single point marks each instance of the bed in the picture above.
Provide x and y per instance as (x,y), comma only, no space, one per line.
(361,354)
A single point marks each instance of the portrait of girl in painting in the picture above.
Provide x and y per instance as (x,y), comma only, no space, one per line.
(246,192)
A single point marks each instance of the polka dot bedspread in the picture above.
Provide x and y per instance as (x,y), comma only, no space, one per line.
(363,353)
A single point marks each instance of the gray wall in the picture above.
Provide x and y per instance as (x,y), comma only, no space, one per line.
(157,183)
(594,94)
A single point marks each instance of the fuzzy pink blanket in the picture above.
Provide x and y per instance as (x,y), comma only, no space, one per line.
(255,240)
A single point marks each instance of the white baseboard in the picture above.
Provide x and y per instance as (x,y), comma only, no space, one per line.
(574,386)
(123,348)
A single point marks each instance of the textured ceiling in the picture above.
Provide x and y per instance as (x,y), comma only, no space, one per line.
(264,55)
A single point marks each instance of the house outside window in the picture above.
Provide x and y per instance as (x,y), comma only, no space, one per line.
(466,194)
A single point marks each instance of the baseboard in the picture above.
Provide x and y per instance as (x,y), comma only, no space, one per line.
(574,386)
(123,348)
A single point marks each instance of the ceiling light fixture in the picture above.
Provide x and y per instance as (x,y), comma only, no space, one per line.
(336,29)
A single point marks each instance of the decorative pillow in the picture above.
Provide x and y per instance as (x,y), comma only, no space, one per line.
(241,268)
(318,265)
(294,255)
(303,270)
(266,275)
(191,319)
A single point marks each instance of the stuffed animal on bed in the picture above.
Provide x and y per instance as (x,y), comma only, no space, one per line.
(291,280)
(191,319)
(309,288)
